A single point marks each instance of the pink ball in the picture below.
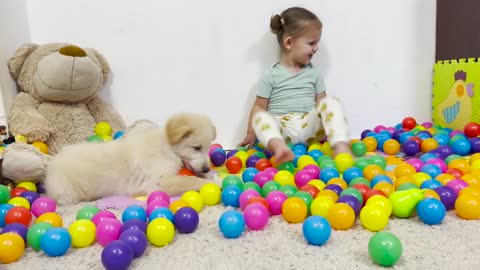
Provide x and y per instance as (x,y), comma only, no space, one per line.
(275,201)
(312,169)
(102,215)
(108,230)
(158,195)
(213,147)
(271,171)
(455,132)
(246,195)
(379,128)
(416,163)
(457,185)
(302,178)
(43,205)
(439,162)
(390,129)
(156,204)
(261,178)
(427,124)
(256,216)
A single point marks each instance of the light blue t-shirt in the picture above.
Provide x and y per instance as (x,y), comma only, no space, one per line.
(288,92)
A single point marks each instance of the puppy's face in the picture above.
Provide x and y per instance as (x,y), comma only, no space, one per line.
(191,136)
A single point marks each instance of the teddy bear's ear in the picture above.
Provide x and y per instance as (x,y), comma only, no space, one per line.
(15,63)
(103,63)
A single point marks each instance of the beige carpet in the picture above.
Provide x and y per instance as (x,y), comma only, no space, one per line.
(455,244)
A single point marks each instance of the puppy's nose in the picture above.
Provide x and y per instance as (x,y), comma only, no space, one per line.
(205,169)
(73,51)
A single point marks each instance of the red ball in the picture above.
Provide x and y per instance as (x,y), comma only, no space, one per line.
(313,190)
(363,189)
(409,123)
(18,214)
(262,164)
(17,191)
(373,192)
(472,129)
(259,200)
(454,172)
(417,139)
(233,164)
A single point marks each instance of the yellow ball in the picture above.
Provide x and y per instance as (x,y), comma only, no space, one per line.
(341,216)
(294,210)
(328,193)
(461,164)
(474,158)
(421,177)
(284,177)
(41,146)
(317,183)
(20,139)
(28,185)
(320,206)
(315,146)
(326,149)
(103,128)
(12,247)
(243,156)
(160,232)
(19,201)
(429,193)
(373,218)
(404,169)
(52,218)
(381,201)
(338,181)
(344,161)
(82,233)
(304,161)
(174,206)
(475,165)
(475,191)
(194,199)
(385,187)
(467,206)
(106,138)
(444,178)
(211,194)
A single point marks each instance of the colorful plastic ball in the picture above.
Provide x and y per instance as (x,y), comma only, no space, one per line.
(35,233)
(431,184)
(354,192)
(409,123)
(261,178)
(373,217)
(43,205)
(283,178)
(17,228)
(475,145)
(467,206)
(294,210)
(151,206)
(252,161)
(12,247)
(103,128)
(218,157)
(118,135)
(248,174)
(270,172)
(55,242)
(447,196)
(370,143)
(256,216)
(231,224)
(344,161)
(359,149)
(117,255)
(30,186)
(385,248)
(82,232)
(320,206)
(210,193)
(472,130)
(431,169)
(161,212)
(178,204)
(53,218)
(341,216)
(134,211)
(107,231)
(316,230)
(19,201)
(262,164)
(380,178)
(18,214)
(310,189)
(313,170)
(328,173)
(4,194)
(302,177)
(410,148)
(245,196)
(17,191)
(457,185)
(186,220)
(391,147)
(231,196)
(234,164)
(87,212)
(378,160)
(428,145)
(335,188)
(461,146)
(160,232)
(194,199)
(30,196)
(232,180)
(431,211)
(4,208)
(135,224)
(352,201)
(136,239)
(289,190)
(275,200)
(439,163)
(352,173)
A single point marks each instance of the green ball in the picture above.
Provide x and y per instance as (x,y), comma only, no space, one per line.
(269,187)
(286,166)
(322,159)
(385,248)
(452,157)
(359,149)
(242,148)
(259,154)
(305,196)
(406,186)
(35,233)
(252,185)
(87,212)
(361,163)
(289,190)
(95,138)
(232,180)
(354,192)
(359,180)
(4,194)
(328,164)
(378,160)
(455,138)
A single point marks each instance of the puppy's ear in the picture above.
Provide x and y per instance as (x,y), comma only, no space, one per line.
(178,128)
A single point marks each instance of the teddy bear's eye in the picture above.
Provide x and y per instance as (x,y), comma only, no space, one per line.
(197,147)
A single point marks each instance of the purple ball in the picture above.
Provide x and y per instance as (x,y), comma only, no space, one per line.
(117,255)
(186,220)
(31,196)
(475,142)
(134,224)
(17,228)
(267,154)
(252,161)
(396,134)
(444,151)
(426,132)
(333,187)
(231,153)
(136,239)
(218,157)
(364,133)
(410,148)
(447,196)
(352,201)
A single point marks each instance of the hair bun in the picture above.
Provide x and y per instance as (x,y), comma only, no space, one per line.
(276,24)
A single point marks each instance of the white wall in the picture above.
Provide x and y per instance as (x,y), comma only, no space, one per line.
(207,55)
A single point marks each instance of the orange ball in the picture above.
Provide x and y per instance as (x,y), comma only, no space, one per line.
(371,171)
(386,187)
(404,169)
(329,194)
(444,178)
(234,164)
(428,145)
(174,206)
(371,143)
(391,147)
(471,179)
(338,181)
(52,218)
(467,206)
(341,216)
(185,172)
(294,210)
(262,164)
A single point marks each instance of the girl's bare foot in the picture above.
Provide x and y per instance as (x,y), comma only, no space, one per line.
(280,149)
(342,147)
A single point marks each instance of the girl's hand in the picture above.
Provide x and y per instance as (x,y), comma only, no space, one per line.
(249,140)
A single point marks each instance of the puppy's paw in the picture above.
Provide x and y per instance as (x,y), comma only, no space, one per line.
(213,176)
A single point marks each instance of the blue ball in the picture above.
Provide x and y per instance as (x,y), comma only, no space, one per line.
(442,139)
(380,178)
(55,242)
(118,135)
(316,230)
(431,184)
(161,212)
(230,196)
(461,147)
(315,154)
(248,174)
(431,169)
(404,137)
(300,149)
(3,212)
(328,173)
(232,224)
(426,157)
(134,211)
(352,173)
(386,133)
(431,211)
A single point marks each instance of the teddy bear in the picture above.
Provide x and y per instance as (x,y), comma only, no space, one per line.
(58,104)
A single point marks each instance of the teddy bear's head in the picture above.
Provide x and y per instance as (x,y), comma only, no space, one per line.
(59,72)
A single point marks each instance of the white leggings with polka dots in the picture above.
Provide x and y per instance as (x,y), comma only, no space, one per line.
(325,119)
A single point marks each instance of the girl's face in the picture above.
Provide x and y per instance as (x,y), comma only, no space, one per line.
(302,48)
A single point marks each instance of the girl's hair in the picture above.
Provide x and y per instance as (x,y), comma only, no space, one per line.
(292,22)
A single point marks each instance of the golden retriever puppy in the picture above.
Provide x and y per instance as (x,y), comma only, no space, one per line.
(146,159)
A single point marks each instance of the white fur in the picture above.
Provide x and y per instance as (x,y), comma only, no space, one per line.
(146,159)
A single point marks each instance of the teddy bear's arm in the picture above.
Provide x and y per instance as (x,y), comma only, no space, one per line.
(25,119)
(102,111)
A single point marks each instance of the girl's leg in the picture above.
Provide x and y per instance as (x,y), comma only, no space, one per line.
(334,122)
(269,134)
